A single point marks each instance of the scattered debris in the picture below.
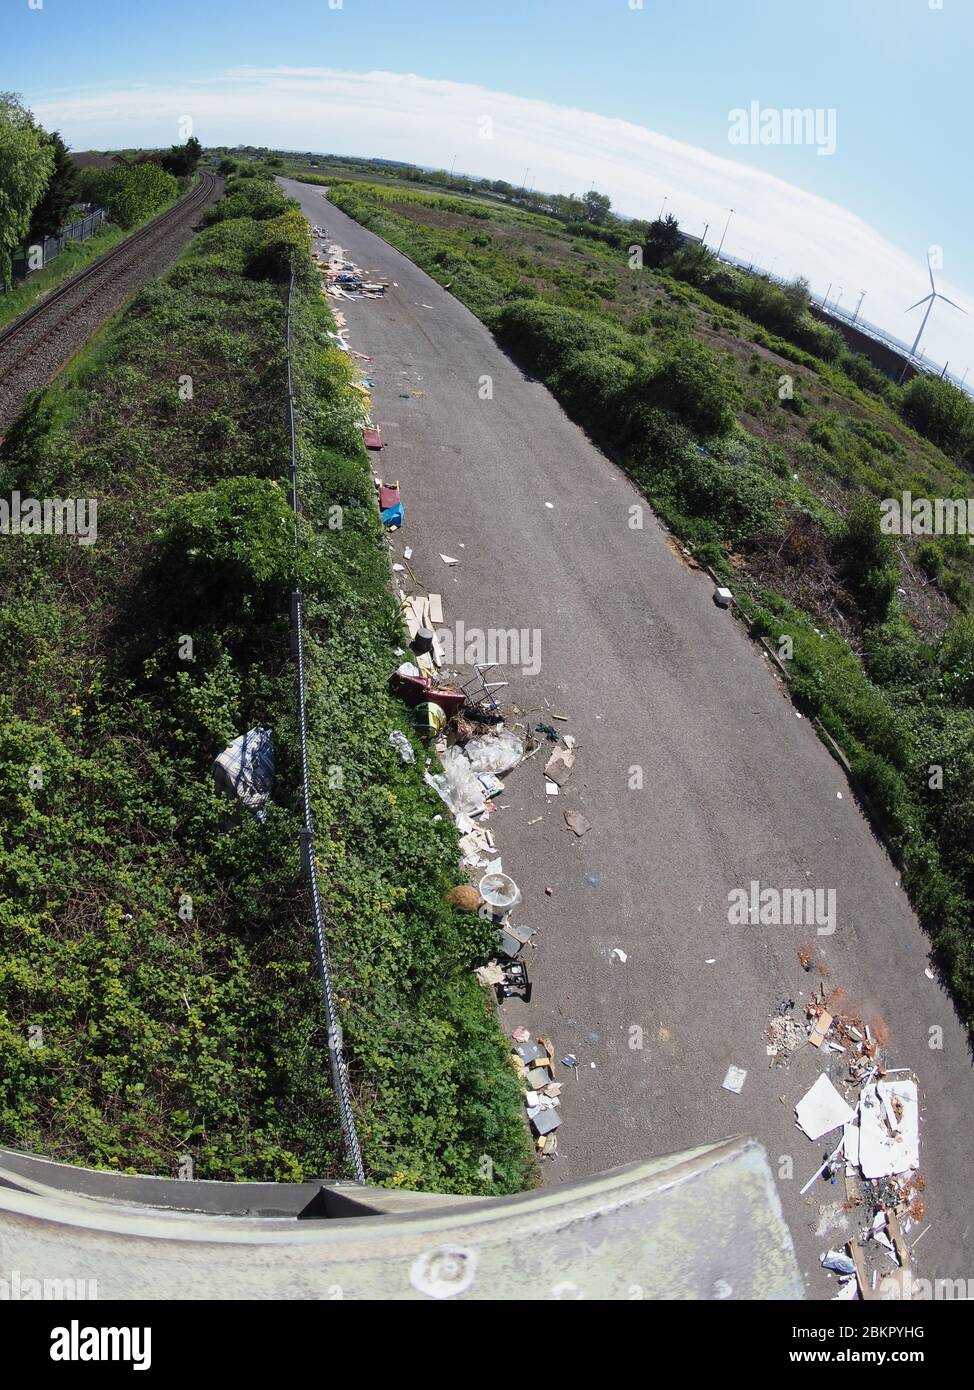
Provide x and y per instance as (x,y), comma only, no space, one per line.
(723,597)
(839,1262)
(576,822)
(390,505)
(889,1128)
(402,746)
(500,891)
(491,974)
(559,766)
(734,1079)
(823,1023)
(785,1035)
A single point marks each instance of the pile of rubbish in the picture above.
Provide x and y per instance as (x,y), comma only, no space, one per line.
(872,1113)
(534,1061)
(343,279)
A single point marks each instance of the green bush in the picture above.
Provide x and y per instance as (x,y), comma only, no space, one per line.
(930,558)
(132,192)
(691,382)
(941,412)
(870,559)
(249,194)
(546,336)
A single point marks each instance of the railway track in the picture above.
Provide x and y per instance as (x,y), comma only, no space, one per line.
(35,347)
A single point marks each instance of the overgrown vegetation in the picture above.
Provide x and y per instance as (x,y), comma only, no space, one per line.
(132,192)
(158,993)
(767,446)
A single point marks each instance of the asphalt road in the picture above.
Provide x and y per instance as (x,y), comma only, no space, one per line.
(735,787)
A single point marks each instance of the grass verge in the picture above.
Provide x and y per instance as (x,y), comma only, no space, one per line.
(158,995)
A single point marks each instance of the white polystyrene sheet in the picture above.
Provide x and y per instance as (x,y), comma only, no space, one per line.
(821,1108)
(883,1152)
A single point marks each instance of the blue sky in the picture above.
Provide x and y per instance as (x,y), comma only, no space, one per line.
(896,74)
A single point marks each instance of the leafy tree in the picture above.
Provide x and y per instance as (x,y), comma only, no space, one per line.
(597,206)
(26,165)
(51,213)
(662,240)
(88,187)
(694,263)
(797,297)
(132,191)
(183,159)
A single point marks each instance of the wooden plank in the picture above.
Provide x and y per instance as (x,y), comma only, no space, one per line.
(896,1235)
(855,1252)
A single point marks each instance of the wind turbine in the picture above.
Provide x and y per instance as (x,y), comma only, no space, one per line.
(928,300)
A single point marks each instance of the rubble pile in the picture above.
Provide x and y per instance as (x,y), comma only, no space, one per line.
(871,1113)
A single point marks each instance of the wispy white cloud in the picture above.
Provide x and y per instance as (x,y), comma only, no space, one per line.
(402,116)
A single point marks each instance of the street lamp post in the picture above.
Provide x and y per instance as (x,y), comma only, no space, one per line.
(730,214)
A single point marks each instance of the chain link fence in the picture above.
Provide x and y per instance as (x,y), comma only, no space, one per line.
(336,1053)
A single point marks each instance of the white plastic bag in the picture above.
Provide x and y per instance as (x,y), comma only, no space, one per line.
(457,784)
(496,753)
(245,769)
